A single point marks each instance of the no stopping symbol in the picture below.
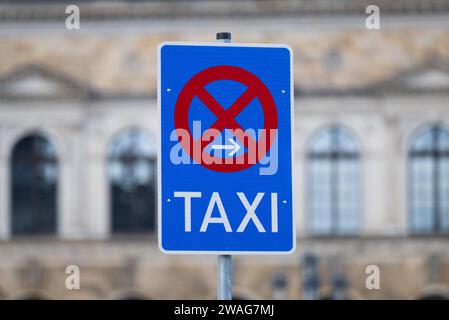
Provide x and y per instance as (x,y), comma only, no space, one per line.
(226,118)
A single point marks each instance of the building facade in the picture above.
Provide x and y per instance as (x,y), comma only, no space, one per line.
(78,150)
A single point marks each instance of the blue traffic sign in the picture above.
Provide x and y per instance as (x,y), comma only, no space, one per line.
(225,169)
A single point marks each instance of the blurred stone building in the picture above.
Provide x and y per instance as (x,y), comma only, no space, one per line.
(78,128)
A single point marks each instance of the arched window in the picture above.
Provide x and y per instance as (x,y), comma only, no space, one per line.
(132,174)
(333,183)
(34,170)
(429,181)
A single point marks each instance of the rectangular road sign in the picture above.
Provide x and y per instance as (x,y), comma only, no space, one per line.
(225,169)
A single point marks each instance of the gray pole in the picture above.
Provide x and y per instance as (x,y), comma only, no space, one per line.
(224,277)
(224,262)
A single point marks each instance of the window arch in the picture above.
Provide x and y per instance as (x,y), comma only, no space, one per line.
(34,179)
(132,176)
(334,183)
(429,181)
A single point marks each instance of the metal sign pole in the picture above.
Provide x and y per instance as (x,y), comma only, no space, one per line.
(224,277)
(224,262)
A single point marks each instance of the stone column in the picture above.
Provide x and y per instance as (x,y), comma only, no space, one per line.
(4,189)
(95,191)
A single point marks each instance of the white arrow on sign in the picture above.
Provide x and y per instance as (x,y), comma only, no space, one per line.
(234,147)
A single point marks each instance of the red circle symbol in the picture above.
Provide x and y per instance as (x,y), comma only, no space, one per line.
(226,118)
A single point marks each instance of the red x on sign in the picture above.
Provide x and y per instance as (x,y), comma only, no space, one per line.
(226,117)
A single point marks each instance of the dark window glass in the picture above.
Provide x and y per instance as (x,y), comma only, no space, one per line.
(429,184)
(333,181)
(34,187)
(132,174)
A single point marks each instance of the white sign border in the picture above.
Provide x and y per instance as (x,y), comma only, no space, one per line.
(159,149)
